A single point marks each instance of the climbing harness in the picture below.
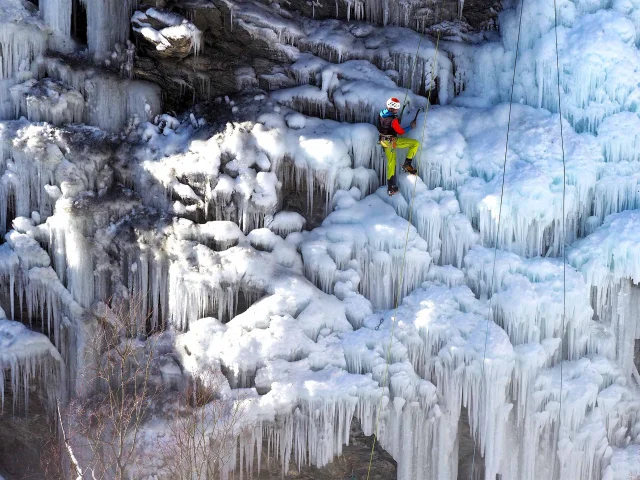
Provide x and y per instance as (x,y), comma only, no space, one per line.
(386,138)
(495,254)
(404,255)
(387,141)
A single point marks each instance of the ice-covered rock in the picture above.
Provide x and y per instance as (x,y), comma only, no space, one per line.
(361,245)
(167,33)
(22,40)
(27,356)
(48,101)
(284,223)
(448,302)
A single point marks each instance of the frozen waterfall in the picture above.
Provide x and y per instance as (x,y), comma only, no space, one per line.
(254,240)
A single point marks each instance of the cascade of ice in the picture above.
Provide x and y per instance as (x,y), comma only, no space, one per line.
(618,135)
(57,15)
(608,259)
(413,427)
(32,257)
(71,229)
(47,301)
(34,159)
(436,215)
(317,155)
(465,151)
(364,240)
(293,352)
(438,321)
(111,101)
(47,101)
(26,356)
(592,421)
(20,44)
(528,299)
(187,270)
(73,256)
(597,69)
(8,272)
(108,23)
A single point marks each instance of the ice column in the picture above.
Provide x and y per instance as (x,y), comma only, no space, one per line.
(57,15)
(108,23)
(19,45)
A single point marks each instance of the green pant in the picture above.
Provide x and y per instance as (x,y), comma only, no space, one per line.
(390,152)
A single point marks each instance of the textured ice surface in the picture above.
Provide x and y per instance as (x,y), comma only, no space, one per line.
(24,356)
(186,224)
(359,246)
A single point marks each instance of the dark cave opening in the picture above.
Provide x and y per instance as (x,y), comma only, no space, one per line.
(79,22)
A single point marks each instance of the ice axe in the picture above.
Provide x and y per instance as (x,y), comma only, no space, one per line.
(407,103)
(417,112)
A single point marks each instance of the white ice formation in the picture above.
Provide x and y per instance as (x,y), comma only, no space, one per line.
(268,252)
(25,357)
(172,28)
(44,87)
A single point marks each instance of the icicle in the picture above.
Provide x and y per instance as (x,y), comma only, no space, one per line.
(108,23)
(111,101)
(48,101)
(57,15)
(26,356)
(8,273)
(342,238)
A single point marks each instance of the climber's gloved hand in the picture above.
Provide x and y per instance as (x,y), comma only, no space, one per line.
(413,124)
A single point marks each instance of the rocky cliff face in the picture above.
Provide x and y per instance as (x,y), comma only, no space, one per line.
(480,14)
(233,56)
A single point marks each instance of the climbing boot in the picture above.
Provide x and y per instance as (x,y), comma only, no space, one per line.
(407,167)
(392,188)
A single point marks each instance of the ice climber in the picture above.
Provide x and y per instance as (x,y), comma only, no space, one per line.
(390,128)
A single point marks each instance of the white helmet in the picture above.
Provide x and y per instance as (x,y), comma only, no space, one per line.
(393,103)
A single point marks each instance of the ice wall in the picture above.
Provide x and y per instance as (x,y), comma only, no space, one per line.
(391,49)
(25,357)
(358,247)
(598,58)
(108,24)
(176,220)
(112,101)
(57,15)
(21,40)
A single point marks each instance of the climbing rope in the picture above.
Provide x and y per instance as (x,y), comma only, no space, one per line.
(564,232)
(495,254)
(415,63)
(406,244)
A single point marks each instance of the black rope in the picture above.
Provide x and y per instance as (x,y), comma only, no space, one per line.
(564,233)
(495,255)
